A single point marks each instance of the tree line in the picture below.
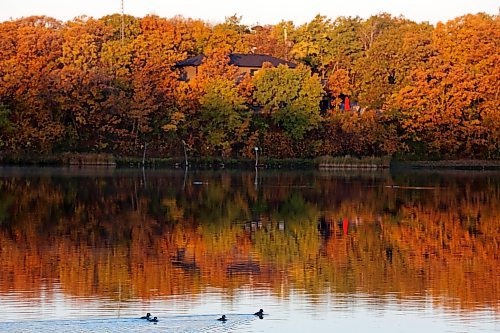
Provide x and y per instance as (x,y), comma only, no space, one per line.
(93,85)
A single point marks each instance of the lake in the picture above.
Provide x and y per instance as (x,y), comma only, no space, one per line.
(92,250)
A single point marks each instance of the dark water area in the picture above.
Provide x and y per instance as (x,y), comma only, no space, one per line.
(91,250)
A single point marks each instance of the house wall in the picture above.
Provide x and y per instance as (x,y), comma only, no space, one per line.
(188,72)
(244,70)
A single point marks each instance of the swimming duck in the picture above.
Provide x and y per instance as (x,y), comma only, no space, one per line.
(154,320)
(259,313)
(223,318)
(147,316)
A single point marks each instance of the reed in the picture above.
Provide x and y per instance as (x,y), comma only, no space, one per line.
(349,162)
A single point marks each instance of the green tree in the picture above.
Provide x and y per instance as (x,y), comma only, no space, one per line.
(221,114)
(346,44)
(313,44)
(292,96)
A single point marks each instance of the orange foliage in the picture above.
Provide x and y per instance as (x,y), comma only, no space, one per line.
(78,86)
(452,106)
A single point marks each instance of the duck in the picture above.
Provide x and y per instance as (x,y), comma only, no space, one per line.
(154,320)
(223,318)
(259,313)
(147,316)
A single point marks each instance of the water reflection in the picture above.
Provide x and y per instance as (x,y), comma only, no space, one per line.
(313,240)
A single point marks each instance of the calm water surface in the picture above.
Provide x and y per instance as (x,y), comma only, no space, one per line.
(91,250)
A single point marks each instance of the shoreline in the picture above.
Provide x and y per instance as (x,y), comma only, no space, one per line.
(447,165)
(322,163)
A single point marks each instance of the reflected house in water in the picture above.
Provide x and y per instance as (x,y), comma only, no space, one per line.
(245,62)
(243,268)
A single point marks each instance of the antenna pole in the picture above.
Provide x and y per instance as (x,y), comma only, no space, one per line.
(122,28)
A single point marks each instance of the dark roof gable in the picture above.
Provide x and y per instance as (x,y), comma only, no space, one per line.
(193,61)
(240,60)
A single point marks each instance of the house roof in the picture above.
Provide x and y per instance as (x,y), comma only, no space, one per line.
(240,60)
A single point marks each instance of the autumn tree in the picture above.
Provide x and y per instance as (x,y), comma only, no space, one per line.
(5,126)
(332,49)
(142,68)
(451,106)
(87,95)
(375,25)
(346,49)
(273,40)
(338,84)
(29,55)
(131,26)
(197,104)
(228,37)
(87,85)
(394,53)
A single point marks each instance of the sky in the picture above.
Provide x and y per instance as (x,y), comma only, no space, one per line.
(252,11)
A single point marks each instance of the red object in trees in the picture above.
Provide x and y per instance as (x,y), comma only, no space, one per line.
(345,225)
(347,104)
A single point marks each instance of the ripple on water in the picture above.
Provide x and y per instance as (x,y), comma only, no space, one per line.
(175,324)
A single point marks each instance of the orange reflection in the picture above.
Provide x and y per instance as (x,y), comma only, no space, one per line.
(114,237)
